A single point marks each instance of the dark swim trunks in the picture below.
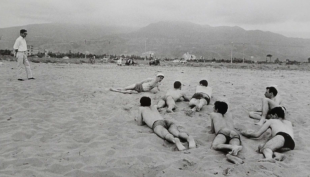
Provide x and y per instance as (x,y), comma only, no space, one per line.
(288,140)
(200,96)
(229,135)
(138,88)
(164,123)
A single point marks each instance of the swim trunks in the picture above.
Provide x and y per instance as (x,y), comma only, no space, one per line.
(201,95)
(165,123)
(229,135)
(138,88)
(288,140)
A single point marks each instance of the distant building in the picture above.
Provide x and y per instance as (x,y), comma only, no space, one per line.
(148,54)
(188,56)
(32,50)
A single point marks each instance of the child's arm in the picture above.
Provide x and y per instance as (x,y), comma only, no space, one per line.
(140,118)
(257,134)
(212,126)
(146,80)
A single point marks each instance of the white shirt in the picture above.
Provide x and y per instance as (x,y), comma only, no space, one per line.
(20,44)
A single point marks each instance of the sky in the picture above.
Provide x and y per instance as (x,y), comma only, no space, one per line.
(287,17)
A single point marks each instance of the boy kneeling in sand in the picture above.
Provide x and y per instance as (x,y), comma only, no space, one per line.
(144,86)
(226,137)
(172,96)
(282,135)
(165,129)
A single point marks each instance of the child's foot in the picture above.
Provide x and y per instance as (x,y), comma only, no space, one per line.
(235,150)
(267,160)
(234,159)
(169,110)
(179,144)
(279,157)
(191,142)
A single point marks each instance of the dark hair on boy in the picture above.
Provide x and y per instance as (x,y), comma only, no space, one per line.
(272,90)
(278,111)
(204,83)
(145,101)
(221,107)
(177,84)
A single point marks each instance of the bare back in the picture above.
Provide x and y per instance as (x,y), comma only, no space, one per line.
(176,94)
(280,125)
(222,122)
(149,115)
(205,90)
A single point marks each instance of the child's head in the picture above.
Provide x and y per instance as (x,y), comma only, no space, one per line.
(177,85)
(145,101)
(220,107)
(276,113)
(204,83)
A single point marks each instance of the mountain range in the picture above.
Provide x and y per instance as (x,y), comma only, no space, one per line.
(164,39)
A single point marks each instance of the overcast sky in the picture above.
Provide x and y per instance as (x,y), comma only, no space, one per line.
(288,17)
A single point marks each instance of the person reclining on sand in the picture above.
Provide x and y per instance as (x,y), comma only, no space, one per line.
(144,86)
(281,133)
(172,96)
(272,99)
(226,137)
(165,129)
(201,97)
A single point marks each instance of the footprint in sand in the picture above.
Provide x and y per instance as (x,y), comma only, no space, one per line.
(20,136)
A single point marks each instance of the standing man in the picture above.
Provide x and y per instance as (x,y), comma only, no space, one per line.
(20,51)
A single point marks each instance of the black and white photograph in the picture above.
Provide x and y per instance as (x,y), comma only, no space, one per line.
(154,88)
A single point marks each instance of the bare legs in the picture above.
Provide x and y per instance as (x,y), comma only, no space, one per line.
(170,103)
(173,134)
(126,90)
(234,146)
(261,115)
(269,147)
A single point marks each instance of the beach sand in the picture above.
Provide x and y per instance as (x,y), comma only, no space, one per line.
(67,123)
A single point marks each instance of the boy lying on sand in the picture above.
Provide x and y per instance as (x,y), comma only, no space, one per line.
(172,96)
(272,99)
(281,132)
(226,137)
(144,86)
(201,97)
(165,129)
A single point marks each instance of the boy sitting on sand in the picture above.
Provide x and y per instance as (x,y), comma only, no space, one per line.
(272,99)
(165,129)
(201,97)
(226,137)
(172,96)
(144,86)
(281,132)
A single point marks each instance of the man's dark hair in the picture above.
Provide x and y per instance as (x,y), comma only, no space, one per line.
(278,111)
(23,31)
(221,107)
(145,101)
(177,84)
(204,83)
(272,90)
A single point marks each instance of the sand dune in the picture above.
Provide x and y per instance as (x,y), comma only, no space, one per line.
(67,123)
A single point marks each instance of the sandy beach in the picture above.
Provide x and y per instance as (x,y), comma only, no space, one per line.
(67,123)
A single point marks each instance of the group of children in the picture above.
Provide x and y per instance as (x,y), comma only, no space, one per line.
(227,137)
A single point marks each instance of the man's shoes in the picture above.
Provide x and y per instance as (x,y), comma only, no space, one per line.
(32,78)
(20,79)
